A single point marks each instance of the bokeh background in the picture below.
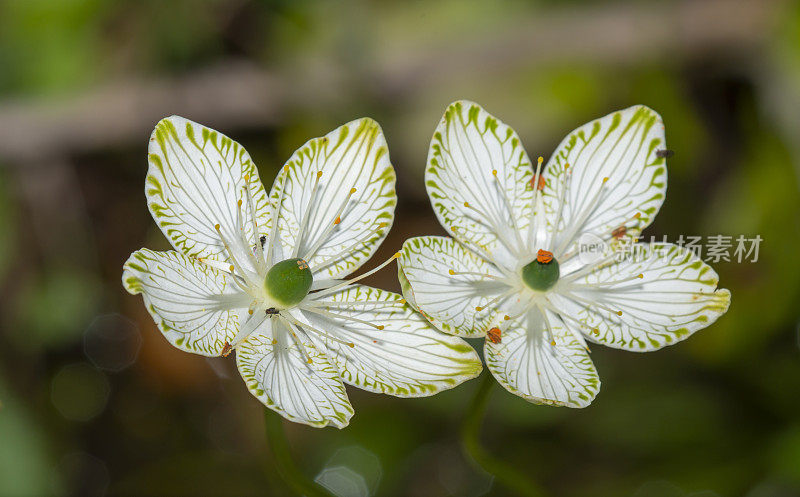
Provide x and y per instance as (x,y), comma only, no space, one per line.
(93,401)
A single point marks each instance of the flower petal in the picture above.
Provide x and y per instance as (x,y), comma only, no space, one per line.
(195,179)
(278,373)
(407,357)
(623,147)
(676,296)
(197,308)
(337,199)
(478,180)
(450,301)
(527,364)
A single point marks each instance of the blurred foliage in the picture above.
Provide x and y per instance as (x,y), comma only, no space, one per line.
(714,416)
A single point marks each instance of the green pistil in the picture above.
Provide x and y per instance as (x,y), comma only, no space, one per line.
(288,282)
(541,273)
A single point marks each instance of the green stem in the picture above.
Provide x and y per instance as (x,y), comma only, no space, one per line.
(291,474)
(470,439)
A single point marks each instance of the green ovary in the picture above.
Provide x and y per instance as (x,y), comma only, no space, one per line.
(288,282)
(540,276)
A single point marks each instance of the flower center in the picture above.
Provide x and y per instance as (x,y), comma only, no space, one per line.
(541,273)
(288,282)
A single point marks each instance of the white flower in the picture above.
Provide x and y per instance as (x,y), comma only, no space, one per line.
(515,271)
(261,274)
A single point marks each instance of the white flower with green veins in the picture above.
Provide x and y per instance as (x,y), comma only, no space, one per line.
(262,274)
(515,270)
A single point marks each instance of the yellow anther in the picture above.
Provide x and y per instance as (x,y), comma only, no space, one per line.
(337,220)
(309,361)
(451,272)
(494,172)
(396,255)
(605,179)
(319,174)
(247,177)
(553,343)
(274,341)
(380,327)
(286,168)
(250,311)
(478,308)
(641,276)
(239,202)
(231,268)
(216,227)
(506,317)
(351,345)
(352,190)
(637,215)
(619,313)
(540,159)
(383,225)
(402,301)
(466,204)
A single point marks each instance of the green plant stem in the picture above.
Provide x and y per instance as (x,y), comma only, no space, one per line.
(470,440)
(291,474)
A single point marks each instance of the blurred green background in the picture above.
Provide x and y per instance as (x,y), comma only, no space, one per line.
(93,401)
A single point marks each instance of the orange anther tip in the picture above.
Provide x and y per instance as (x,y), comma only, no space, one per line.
(216,227)
(637,215)
(337,220)
(619,313)
(451,272)
(478,308)
(239,202)
(466,204)
(247,177)
(231,267)
(605,179)
(553,343)
(380,326)
(351,345)
(544,257)
(319,173)
(506,317)
(352,190)
(494,172)
(250,311)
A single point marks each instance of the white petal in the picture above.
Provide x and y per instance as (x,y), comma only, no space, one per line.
(353,156)
(450,301)
(527,364)
(195,179)
(623,147)
(467,148)
(676,296)
(278,373)
(407,358)
(197,308)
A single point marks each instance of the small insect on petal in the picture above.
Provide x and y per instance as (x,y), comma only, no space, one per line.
(664,153)
(540,184)
(495,335)
(226,349)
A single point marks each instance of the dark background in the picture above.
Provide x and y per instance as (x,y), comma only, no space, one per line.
(95,402)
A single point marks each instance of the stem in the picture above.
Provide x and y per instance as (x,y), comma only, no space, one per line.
(470,440)
(291,474)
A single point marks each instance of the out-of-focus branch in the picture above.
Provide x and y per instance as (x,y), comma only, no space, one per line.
(237,94)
